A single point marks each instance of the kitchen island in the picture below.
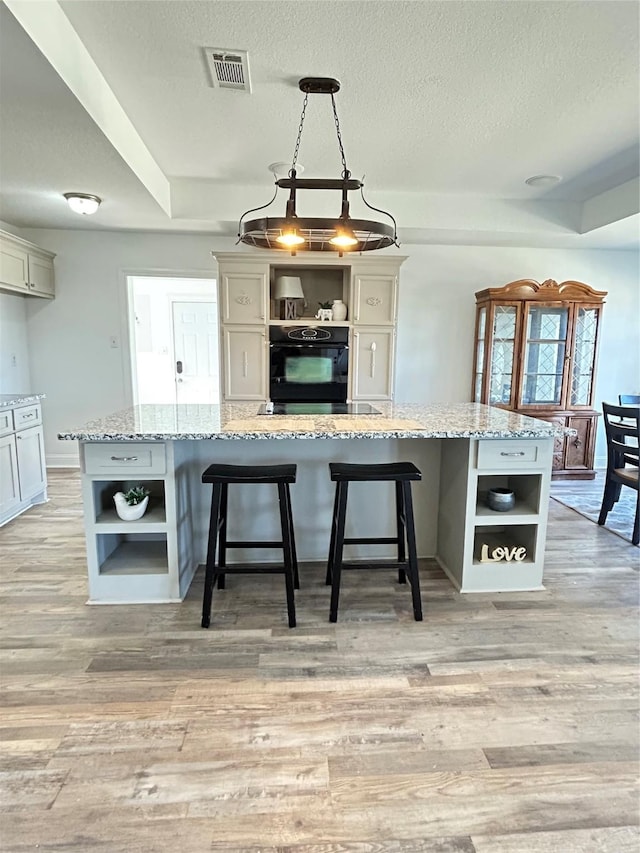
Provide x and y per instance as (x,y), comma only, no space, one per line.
(463,450)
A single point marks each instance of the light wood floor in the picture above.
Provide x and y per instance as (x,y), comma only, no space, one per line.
(500,724)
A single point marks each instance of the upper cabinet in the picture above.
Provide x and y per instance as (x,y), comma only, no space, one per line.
(25,268)
(535,353)
(244,293)
(375,298)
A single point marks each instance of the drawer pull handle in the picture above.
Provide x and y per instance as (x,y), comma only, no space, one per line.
(30,415)
(513,453)
(124,458)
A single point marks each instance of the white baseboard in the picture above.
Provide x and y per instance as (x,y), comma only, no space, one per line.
(63,460)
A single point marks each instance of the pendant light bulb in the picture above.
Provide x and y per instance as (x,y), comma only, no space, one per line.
(344,239)
(290,238)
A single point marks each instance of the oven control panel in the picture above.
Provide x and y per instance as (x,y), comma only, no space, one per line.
(309,334)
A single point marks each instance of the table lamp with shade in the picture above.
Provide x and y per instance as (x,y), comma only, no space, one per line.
(288,289)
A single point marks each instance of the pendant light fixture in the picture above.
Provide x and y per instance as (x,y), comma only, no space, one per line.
(340,234)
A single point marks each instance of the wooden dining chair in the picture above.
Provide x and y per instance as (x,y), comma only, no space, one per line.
(629,399)
(622,425)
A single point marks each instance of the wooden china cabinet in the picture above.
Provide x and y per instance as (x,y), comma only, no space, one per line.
(535,353)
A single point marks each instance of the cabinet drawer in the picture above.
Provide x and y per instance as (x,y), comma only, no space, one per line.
(512,453)
(27,416)
(6,421)
(122,458)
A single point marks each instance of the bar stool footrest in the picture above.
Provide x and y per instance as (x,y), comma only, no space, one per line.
(374,564)
(250,569)
(372,540)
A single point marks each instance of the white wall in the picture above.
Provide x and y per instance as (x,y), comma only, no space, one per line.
(437,311)
(72,362)
(14,340)
(14,345)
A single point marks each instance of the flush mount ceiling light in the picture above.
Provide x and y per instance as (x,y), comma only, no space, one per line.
(543,180)
(294,233)
(83,203)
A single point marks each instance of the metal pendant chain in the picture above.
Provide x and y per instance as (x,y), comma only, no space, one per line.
(345,172)
(300,126)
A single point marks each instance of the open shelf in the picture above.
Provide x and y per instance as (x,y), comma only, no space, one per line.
(319,284)
(505,536)
(526,488)
(106,515)
(155,516)
(126,554)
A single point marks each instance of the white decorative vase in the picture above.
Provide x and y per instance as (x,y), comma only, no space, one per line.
(127,512)
(339,309)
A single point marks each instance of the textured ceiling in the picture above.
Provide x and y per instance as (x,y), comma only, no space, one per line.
(446,107)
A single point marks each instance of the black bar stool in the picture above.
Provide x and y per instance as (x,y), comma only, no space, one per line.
(221,476)
(402,473)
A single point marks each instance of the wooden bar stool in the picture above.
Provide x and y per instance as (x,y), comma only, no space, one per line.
(221,476)
(402,473)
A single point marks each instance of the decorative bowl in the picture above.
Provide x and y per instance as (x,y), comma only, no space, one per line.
(500,499)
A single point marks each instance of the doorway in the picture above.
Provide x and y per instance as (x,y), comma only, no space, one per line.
(173,332)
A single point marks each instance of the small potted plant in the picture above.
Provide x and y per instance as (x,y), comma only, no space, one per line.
(325,312)
(132,504)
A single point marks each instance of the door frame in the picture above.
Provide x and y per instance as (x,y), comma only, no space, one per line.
(127,318)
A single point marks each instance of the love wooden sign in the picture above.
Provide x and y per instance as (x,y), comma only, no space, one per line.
(501,552)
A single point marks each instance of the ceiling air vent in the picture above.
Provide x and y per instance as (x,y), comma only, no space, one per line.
(229,68)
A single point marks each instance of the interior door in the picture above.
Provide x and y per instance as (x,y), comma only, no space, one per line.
(195,347)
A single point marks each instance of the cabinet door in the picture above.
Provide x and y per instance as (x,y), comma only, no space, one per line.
(41,276)
(31,464)
(478,391)
(373,364)
(245,363)
(544,373)
(500,365)
(9,484)
(583,360)
(14,267)
(244,296)
(558,441)
(578,453)
(374,299)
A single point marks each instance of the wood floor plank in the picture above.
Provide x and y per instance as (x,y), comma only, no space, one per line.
(503,723)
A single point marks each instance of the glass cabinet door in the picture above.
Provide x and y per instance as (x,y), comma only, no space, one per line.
(481,328)
(502,354)
(584,355)
(544,355)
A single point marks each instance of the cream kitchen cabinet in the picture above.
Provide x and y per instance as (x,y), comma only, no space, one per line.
(244,294)
(25,268)
(375,298)
(244,363)
(368,287)
(23,473)
(148,559)
(372,364)
(482,550)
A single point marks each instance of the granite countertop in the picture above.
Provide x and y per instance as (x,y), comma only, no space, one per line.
(7,400)
(241,421)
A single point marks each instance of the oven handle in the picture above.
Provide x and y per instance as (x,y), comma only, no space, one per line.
(309,346)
